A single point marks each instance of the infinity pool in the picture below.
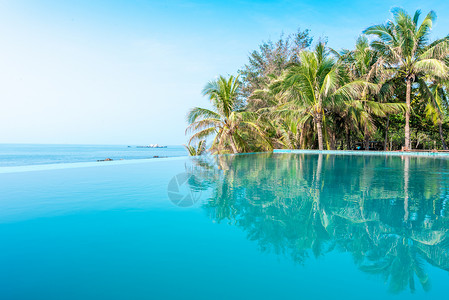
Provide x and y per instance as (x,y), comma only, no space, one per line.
(258,226)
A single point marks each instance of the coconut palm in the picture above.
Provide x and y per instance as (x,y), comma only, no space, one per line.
(276,113)
(319,82)
(365,63)
(229,125)
(404,45)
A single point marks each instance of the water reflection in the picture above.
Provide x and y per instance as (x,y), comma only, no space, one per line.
(390,213)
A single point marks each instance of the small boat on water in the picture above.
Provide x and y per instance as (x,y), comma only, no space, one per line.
(152,146)
(106,159)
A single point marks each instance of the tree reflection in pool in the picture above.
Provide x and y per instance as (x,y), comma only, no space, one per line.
(390,213)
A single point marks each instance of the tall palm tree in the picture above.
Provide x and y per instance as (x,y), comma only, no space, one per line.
(319,83)
(364,63)
(225,121)
(404,45)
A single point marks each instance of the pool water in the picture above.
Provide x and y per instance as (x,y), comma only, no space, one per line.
(257,226)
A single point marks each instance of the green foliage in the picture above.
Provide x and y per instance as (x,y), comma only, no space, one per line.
(271,59)
(198,149)
(226,124)
(289,96)
(404,46)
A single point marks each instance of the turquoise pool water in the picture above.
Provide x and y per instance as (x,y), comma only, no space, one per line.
(259,226)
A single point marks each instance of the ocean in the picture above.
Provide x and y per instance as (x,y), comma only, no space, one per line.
(39,154)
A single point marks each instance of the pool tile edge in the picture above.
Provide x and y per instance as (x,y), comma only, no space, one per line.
(345,152)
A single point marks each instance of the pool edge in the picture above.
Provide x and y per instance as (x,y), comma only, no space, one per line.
(354,152)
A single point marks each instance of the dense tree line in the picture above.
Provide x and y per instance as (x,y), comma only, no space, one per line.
(390,92)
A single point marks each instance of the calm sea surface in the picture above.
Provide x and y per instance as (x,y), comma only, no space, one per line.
(258,226)
(32,154)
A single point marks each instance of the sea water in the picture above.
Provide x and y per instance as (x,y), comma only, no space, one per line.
(35,154)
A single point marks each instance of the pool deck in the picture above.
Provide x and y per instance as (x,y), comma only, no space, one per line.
(362,152)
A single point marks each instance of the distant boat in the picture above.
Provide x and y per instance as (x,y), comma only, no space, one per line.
(152,146)
(106,159)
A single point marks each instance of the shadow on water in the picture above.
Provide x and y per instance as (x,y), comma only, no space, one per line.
(390,213)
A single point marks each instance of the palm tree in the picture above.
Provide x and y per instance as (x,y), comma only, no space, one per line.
(225,121)
(319,82)
(403,43)
(198,149)
(364,63)
(284,124)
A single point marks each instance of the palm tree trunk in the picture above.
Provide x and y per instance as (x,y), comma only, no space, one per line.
(440,125)
(348,138)
(232,143)
(407,113)
(333,140)
(319,129)
(291,140)
(366,140)
(386,133)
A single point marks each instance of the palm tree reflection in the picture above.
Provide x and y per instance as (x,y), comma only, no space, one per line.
(390,213)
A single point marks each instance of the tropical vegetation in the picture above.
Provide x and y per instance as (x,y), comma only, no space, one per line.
(388,93)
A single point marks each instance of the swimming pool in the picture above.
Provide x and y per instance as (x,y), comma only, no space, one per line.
(258,226)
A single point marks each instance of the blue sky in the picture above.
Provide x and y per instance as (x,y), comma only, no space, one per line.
(127,72)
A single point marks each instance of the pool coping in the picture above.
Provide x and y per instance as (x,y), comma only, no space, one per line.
(361,152)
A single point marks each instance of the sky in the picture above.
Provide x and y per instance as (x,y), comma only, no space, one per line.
(127,72)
